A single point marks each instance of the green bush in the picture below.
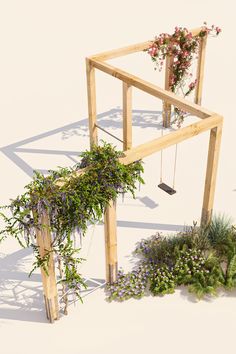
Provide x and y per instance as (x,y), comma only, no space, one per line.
(203,259)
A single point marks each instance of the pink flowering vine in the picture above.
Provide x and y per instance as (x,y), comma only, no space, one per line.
(182,46)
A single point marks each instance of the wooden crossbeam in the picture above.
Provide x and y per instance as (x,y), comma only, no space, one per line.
(152,89)
(155,145)
(134,48)
(111,54)
(146,149)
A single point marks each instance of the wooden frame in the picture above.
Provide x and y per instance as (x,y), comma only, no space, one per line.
(209,121)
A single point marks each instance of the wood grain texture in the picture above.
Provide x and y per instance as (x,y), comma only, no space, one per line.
(44,242)
(166,111)
(110,230)
(153,90)
(173,138)
(133,48)
(211,172)
(91,92)
(127,116)
(200,70)
(114,53)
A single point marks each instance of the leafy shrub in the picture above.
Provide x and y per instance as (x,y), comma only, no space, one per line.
(132,284)
(204,259)
(162,281)
(72,201)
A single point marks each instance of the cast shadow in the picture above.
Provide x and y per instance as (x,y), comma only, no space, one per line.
(22,300)
(22,297)
(111,120)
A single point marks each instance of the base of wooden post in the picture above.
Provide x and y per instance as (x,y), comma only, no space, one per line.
(52,309)
(112,273)
(44,242)
(111,242)
(206,217)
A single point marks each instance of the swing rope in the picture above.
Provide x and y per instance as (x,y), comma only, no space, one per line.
(175,165)
(161,159)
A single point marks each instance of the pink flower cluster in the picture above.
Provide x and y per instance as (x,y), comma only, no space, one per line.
(181,46)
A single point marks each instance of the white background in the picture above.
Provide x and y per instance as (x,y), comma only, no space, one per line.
(43,88)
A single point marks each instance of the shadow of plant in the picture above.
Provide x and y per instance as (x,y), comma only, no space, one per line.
(111,119)
(21,297)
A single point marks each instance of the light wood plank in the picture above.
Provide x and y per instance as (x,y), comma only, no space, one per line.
(110,229)
(166,111)
(153,90)
(173,138)
(44,241)
(91,91)
(137,47)
(122,51)
(210,180)
(200,70)
(127,116)
(146,149)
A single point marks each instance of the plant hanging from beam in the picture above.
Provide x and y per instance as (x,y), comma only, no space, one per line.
(182,46)
(72,201)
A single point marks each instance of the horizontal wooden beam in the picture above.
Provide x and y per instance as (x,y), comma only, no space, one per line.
(173,138)
(115,53)
(152,89)
(158,144)
(134,48)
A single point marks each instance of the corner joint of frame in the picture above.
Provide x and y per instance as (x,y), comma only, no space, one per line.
(89,61)
(219,117)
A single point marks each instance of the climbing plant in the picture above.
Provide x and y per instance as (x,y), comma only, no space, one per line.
(182,46)
(73,201)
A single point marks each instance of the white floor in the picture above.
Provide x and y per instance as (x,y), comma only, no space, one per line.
(44,124)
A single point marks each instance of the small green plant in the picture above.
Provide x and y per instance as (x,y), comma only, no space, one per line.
(162,281)
(190,258)
(132,284)
(219,229)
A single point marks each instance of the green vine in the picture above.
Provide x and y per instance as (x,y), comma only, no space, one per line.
(182,46)
(72,201)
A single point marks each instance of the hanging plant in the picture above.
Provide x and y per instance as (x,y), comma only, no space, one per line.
(182,46)
(72,201)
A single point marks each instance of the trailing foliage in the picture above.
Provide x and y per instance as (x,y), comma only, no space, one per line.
(72,200)
(182,46)
(203,259)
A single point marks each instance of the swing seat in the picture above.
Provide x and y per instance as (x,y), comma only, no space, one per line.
(167,188)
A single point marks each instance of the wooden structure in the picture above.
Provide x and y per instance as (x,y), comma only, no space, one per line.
(209,121)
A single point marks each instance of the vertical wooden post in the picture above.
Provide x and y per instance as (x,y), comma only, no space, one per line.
(166,110)
(44,242)
(210,180)
(200,70)
(111,242)
(91,92)
(127,116)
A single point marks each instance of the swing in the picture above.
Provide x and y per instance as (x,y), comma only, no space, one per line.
(168,189)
